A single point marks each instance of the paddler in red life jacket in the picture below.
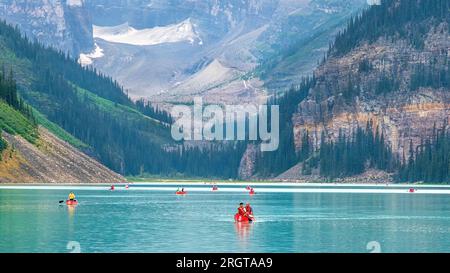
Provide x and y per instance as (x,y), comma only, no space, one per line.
(241,210)
(249,211)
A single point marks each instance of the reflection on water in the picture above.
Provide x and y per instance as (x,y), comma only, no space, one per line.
(160,221)
(243,231)
(71,210)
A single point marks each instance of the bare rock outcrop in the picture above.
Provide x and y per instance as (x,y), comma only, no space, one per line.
(247,165)
(402,115)
(50,161)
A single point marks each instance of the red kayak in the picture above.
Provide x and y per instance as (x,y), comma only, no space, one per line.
(215,188)
(241,219)
(252,192)
(71,202)
(181,192)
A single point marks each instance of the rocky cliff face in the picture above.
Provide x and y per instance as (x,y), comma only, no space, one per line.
(402,115)
(247,164)
(63,24)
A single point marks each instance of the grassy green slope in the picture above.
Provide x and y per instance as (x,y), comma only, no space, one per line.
(13,122)
(24,77)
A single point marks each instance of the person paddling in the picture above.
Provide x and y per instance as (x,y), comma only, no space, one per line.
(241,210)
(243,213)
(72,196)
(249,211)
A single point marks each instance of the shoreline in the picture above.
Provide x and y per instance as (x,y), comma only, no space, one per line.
(240,189)
(234,183)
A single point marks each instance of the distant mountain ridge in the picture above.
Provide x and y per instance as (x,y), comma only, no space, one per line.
(63,24)
(168,45)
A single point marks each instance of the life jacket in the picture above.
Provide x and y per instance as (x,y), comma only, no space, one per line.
(241,211)
(71,196)
(249,210)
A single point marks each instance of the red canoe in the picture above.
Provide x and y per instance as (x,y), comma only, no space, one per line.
(240,218)
(181,192)
(71,202)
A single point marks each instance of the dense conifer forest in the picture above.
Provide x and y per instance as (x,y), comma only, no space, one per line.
(389,20)
(272,163)
(10,97)
(430,162)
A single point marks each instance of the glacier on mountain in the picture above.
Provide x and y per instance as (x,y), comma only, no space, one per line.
(125,34)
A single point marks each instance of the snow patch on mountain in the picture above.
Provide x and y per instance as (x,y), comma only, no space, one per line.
(88,59)
(125,34)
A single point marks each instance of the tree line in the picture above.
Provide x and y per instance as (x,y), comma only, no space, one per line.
(9,94)
(128,144)
(154,112)
(389,20)
(430,161)
(354,154)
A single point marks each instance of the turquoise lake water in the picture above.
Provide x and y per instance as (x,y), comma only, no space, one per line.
(139,220)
